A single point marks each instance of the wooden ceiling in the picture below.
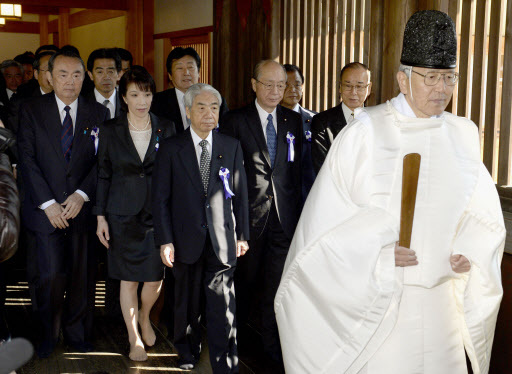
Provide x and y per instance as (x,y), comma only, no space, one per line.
(52,6)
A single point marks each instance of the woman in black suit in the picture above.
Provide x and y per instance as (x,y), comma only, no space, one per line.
(126,154)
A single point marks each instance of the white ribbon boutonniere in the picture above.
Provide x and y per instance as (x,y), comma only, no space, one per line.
(95,136)
(290,138)
(224,176)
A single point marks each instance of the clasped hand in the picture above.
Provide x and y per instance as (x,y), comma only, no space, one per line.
(58,214)
(407,257)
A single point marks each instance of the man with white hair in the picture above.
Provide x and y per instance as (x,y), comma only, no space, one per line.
(201,216)
(352,300)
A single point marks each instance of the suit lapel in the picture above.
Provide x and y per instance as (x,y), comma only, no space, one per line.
(83,127)
(175,108)
(253,119)
(156,132)
(53,123)
(282,130)
(189,161)
(217,160)
(118,104)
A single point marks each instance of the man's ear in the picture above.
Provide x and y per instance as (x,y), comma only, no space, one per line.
(49,77)
(90,75)
(254,82)
(403,82)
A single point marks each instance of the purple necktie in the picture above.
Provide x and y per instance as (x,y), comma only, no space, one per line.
(66,135)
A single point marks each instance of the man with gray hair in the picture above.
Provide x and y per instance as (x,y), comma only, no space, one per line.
(381,307)
(201,219)
(271,138)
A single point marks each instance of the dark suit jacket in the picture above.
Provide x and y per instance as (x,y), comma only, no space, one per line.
(29,91)
(183,214)
(284,182)
(165,104)
(325,126)
(124,181)
(308,172)
(90,96)
(45,172)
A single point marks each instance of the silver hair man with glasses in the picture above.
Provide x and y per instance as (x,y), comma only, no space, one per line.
(351,299)
(355,87)
(271,138)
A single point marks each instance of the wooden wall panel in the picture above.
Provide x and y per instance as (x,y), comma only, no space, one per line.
(63,26)
(505,156)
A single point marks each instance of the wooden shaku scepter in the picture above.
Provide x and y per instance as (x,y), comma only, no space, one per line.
(411,171)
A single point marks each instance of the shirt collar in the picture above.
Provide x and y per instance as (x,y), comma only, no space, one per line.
(347,112)
(179,95)
(297,108)
(100,98)
(264,114)
(61,105)
(197,139)
(9,92)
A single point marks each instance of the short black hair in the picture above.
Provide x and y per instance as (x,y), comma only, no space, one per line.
(125,55)
(108,53)
(66,53)
(354,65)
(143,80)
(26,58)
(294,68)
(72,48)
(180,52)
(47,47)
(37,61)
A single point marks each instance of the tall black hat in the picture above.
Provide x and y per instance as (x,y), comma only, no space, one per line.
(430,41)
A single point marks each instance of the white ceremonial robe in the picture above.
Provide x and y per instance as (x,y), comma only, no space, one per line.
(342,305)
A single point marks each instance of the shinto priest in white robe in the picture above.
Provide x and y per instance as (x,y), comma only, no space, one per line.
(342,305)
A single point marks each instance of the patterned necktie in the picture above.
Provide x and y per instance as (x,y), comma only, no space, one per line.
(106,102)
(66,135)
(271,140)
(204,164)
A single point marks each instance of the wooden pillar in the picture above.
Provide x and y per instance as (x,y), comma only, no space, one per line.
(134,25)
(237,47)
(43,29)
(148,44)
(63,26)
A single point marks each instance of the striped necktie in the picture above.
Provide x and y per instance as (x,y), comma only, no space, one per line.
(66,135)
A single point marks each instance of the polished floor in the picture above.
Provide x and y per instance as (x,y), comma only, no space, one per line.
(111,341)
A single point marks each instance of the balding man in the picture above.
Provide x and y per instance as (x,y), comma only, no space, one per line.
(271,138)
(355,87)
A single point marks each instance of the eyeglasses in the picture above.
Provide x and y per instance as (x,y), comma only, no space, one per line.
(271,86)
(432,78)
(350,87)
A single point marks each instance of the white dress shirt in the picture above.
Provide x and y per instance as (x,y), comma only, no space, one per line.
(62,113)
(9,93)
(264,118)
(347,112)
(111,101)
(181,102)
(197,139)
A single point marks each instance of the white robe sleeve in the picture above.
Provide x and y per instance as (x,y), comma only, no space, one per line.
(339,277)
(481,238)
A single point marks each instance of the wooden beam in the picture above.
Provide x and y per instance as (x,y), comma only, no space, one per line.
(43,29)
(21,27)
(148,44)
(190,40)
(134,30)
(63,26)
(87,17)
(40,9)
(182,33)
(89,4)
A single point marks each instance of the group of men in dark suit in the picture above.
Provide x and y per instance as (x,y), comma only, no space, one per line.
(201,228)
